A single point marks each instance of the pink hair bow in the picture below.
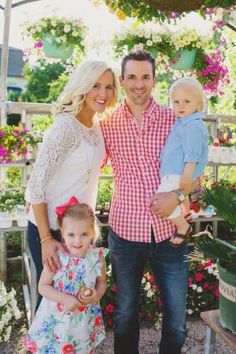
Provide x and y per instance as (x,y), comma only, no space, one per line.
(60,210)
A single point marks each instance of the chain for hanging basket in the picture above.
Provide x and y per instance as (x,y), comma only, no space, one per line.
(175,6)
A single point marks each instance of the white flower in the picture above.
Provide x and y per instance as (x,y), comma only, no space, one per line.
(74,34)
(194,286)
(149,43)
(53,32)
(149,293)
(54,23)
(199,289)
(67,28)
(190,312)
(147,286)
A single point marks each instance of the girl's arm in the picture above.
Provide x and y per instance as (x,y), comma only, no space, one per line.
(100,288)
(47,290)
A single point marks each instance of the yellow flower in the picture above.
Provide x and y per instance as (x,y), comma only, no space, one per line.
(121,15)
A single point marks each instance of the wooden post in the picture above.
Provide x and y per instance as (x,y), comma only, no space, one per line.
(4,64)
(3,258)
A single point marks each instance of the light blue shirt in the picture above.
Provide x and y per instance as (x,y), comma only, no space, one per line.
(187,142)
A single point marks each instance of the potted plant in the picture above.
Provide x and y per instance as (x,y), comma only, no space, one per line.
(223,197)
(16,143)
(11,202)
(57,36)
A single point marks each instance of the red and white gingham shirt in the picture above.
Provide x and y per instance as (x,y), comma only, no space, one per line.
(135,158)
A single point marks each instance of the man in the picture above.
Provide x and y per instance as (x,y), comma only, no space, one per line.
(135,136)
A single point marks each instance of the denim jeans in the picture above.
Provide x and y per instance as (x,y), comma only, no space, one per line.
(170,269)
(33,240)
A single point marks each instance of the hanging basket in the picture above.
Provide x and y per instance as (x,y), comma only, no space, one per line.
(175,6)
(227,299)
(52,50)
(185,59)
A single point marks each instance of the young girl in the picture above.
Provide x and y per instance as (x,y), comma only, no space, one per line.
(185,153)
(69,318)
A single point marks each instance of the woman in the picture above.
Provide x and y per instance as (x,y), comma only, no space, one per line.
(69,160)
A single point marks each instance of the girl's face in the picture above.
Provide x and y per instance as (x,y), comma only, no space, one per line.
(101,95)
(185,100)
(77,235)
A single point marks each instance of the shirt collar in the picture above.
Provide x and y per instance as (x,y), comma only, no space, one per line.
(146,113)
(190,118)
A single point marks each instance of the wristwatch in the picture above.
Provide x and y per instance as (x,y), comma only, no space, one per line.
(180,196)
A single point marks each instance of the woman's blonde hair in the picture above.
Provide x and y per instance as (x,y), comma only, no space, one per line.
(81,211)
(195,84)
(80,82)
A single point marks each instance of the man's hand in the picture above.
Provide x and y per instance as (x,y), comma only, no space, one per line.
(49,254)
(163,203)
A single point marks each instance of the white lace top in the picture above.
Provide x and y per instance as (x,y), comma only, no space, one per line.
(68,164)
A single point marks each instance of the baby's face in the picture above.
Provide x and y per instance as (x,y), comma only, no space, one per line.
(185,100)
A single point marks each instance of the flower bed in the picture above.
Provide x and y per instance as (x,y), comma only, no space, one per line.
(202,295)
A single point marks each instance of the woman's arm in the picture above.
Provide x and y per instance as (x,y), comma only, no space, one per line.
(47,290)
(49,245)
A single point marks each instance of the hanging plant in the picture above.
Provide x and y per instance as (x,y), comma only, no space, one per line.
(59,33)
(166,43)
(147,10)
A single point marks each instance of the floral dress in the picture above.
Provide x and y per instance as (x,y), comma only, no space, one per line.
(58,331)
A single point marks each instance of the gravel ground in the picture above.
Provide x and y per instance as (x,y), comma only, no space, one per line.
(149,340)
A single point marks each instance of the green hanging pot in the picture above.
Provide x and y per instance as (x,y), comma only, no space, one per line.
(185,59)
(53,50)
(227,300)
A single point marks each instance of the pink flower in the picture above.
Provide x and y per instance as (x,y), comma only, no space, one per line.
(198,277)
(110,308)
(217,293)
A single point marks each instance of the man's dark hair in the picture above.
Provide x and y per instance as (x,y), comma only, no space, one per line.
(138,55)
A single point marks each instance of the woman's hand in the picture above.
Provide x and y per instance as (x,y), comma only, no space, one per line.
(50,258)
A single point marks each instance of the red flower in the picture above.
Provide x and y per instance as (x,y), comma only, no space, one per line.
(61,284)
(110,322)
(31,346)
(60,307)
(205,286)
(198,277)
(159,302)
(92,336)
(195,208)
(190,282)
(217,293)
(110,308)
(114,289)
(68,349)
(71,275)
(98,320)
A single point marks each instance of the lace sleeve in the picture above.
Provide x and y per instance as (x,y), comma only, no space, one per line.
(57,142)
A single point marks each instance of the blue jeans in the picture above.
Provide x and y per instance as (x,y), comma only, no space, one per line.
(170,270)
(33,240)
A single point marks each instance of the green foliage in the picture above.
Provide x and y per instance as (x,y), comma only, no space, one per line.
(39,78)
(42,123)
(57,86)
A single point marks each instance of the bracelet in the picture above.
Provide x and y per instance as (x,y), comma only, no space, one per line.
(45,239)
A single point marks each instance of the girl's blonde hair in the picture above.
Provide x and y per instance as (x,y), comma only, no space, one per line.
(195,84)
(81,212)
(81,81)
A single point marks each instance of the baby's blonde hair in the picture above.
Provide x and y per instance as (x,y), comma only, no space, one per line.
(80,83)
(81,211)
(195,84)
